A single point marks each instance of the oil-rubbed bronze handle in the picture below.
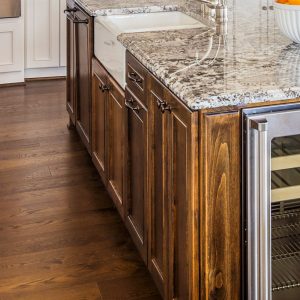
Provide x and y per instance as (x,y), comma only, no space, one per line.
(69,10)
(165,107)
(134,77)
(159,102)
(104,88)
(130,104)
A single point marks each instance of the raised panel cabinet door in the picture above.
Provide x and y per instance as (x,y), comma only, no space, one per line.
(183,198)
(42,18)
(115,144)
(158,227)
(136,119)
(84,53)
(71,71)
(12,45)
(99,121)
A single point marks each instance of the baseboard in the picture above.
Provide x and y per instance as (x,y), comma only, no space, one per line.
(45,73)
(45,78)
(10,78)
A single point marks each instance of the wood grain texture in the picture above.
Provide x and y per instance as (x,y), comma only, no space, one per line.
(60,235)
(220,207)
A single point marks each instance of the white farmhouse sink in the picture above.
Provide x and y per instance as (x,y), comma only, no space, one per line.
(111,52)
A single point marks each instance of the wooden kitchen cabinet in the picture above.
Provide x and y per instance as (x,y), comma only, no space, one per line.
(136,128)
(99,107)
(174,176)
(158,212)
(79,70)
(173,242)
(71,66)
(84,53)
(108,129)
(115,134)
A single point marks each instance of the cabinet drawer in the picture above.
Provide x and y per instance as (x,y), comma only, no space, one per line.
(136,78)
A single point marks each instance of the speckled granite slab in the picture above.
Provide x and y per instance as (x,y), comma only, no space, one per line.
(116,7)
(252,63)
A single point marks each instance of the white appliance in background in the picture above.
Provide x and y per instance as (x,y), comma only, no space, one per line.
(11,41)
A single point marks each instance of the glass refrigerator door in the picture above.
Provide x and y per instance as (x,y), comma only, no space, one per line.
(285,220)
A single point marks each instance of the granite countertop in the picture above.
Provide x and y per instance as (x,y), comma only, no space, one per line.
(108,7)
(250,62)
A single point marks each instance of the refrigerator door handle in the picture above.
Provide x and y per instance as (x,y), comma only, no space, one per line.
(262,205)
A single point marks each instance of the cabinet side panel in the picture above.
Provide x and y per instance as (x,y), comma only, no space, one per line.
(220,207)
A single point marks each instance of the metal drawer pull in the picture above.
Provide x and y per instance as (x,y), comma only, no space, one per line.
(69,10)
(134,77)
(163,106)
(104,88)
(130,104)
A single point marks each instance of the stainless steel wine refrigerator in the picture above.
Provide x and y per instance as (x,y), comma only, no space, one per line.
(272,203)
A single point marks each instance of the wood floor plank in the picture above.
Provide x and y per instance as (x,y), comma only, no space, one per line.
(60,235)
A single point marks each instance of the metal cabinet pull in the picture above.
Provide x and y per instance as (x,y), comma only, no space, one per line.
(163,106)
(134,77)
(130,104)
(104,88)
(69,10)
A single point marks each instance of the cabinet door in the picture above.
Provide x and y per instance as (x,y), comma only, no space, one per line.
(183,198)
(137,171)
(173,251)
(115,144)
(42,33)
(71,70)
(158,230)
(12,45)
(99,122)
(84,52)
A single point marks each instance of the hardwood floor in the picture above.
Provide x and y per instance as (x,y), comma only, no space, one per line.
(60,236)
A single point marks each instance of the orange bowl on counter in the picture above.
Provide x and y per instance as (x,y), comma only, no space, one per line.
(288,18)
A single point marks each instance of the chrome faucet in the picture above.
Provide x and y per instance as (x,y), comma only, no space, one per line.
(218,11)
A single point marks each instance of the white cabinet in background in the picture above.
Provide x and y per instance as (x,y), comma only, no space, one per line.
(11,41)
(12,50)
(63,34)
(42,19)
(45,36)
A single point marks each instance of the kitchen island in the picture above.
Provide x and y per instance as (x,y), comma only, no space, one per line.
(170,147)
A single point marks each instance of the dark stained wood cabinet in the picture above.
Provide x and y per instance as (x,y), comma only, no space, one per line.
(71,64)
(99,106)
(158,212)
(80,35)
(115,134)
(174,176)
(173,254)
(84,53)
(108,152)
(136,127)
